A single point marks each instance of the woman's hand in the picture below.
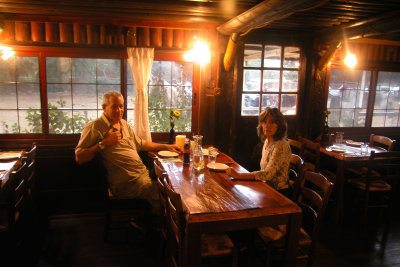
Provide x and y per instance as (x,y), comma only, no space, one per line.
(232,173)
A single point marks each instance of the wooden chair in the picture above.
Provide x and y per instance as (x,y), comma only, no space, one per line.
(382,141)
(310,153)
(213,245)
(383,186)
(13,232)
(31,188)
(313,205)
(296,174)
(296,146)
(162,178)
(137,208)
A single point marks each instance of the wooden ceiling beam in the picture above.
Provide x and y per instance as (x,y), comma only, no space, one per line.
(264,13)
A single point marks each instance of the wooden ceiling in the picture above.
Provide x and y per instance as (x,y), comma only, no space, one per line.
(369,18)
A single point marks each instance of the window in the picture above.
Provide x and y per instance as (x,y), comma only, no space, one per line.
(270,78)
(170,87)
(20,95)
(49,93)
(350,102)
(75,88)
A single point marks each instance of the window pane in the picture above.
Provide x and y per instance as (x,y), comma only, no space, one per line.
(184,123)
(158,120)
(159,97)
(58,70)
(108,71)
(129,77)
(252,55)
(161,73)
(291,57)
(84,96)
(289,104)
(181,97)
(131,94)
(28,95)
(83,70)
(290,81)
(251,80)
(27,69)
(8,94)
(81,118)
(348,97)
(7,70)
(9,121)
(30,121)
(271,80)
(60,121)
(387,100)
(59,95)
(250,104)
(270,101)
(130,117)
(272,56)
(182,73)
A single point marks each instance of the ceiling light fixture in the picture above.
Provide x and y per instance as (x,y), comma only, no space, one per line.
(200,53)
(7,52)
(350,60)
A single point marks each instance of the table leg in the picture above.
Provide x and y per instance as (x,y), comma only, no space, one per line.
(192,246)
(339,184)
(292,241)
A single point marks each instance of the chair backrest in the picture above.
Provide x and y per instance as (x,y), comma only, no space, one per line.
(382,141)
(310,154)
(30,155)
(176,224)
(313,199)
(296,146)
(296,174)
(17,206)
(387,164)
(158,169)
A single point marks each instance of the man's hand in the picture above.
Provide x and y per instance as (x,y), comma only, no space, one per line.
(112,137)
(175,148)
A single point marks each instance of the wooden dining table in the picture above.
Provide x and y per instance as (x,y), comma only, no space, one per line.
(214,204)
(350,157)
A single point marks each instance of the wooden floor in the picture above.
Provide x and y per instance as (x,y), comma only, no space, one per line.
(77,240)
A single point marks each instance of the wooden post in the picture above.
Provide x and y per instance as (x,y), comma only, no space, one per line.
(79,34)
(178,38)
(66,33)
(37,31)
(51,32)
(143,35)
(167,38)
(22,31)
(9,30)
(156,37)
(131,36)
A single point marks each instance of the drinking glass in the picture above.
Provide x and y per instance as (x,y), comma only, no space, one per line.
(364,149)
(212,154)
(339,137)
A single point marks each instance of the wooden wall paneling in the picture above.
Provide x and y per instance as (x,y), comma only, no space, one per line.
(51,29)
(143,36)
(168,38)
(79,33)
(131,36)
(189,38)
(66,33)
(102,34)
(22,31)
(178,38)
(37,31)
(156,37)
(92,32)
(120,35)
(9,31)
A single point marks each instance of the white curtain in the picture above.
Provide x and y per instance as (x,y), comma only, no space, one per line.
(141,60)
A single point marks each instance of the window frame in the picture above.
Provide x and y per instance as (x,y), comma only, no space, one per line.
(263,68)
(107,53)
(367,129)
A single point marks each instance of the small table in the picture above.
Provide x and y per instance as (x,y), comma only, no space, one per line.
(215,204)
(351,158)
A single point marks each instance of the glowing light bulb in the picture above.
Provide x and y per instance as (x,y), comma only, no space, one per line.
(199,53)
(350,60)
(6,52)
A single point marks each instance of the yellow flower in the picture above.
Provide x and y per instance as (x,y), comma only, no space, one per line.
(176,113)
